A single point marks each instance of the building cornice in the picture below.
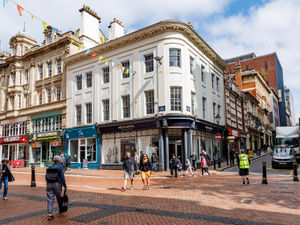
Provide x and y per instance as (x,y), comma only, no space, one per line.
(151,31)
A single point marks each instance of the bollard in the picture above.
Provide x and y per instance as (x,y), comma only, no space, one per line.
(33,176)
(214,164)
(295,171)
(264,179)
(219,163)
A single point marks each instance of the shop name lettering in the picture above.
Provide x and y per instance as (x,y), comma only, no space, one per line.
(50,134)
(11,139)
(125,127)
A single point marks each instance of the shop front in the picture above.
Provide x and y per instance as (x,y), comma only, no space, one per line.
(82,145)
(14,149)
(235,141)
(44,146)
(162,136)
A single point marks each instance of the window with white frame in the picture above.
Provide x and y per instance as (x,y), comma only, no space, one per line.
(50,123)
(78,114)
(219,110)
(126,106)
(12,100)
(89,79)
(48,95)
(214,110)
(81,149)
(58,66)
(176,99)
(20,103)
(49,69)
(212,81)
(41,72)
(149,63)
(149,95)
(13,78)
(88,111)
(174,55)
(126,66)
(203,74)
(105,105)
(191,65)
(105,72)
(193,102)
(13,129)
(40,98)
(26,100)
(218,83)
(79,82)
(58,93)
(204,107)
(26,76)
(20,73)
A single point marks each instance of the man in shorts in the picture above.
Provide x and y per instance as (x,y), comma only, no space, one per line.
(129,166)
(244,165)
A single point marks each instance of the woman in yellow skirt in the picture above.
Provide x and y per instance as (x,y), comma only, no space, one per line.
(146,169)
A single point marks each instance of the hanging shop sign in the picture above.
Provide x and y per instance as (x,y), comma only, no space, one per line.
(10,140)
(45,136)
(36,144)
(55,143)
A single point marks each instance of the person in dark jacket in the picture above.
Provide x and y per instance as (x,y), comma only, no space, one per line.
(146,169)
(141,157)
(5,177)
(55,188)
(194,161)
(68,162)
(129,166)
(174,165)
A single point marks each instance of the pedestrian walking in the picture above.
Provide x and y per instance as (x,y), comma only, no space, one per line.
(136,158)
(5,177)
(174,165)
(194,161)
(154,161)
(141,157)
(232,153)
(55,180)
(63,160)
(129,167)
(188,168)
(204,166)
(68,162)
(146,169)
(244,165)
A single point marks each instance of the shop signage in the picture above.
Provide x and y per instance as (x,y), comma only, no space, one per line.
(188,108)
(208,128)
(218,137)
(234,133)
(161,108)
(55,143)
(45,136)
(36,144)
(8,140)
(126,127)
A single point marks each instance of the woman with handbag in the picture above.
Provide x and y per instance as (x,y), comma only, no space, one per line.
(5,176)
(146,169)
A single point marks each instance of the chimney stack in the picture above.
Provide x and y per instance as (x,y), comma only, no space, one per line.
(89,33)
(116,29)
(238,75)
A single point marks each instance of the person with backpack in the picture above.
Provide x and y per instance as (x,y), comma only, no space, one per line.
(174,165)
(5,176)
(55,180)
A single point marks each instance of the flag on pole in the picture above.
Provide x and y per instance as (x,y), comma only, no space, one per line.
(44,25)
(123,68)
(20,9)
(94,54)
(106,61)
(100,58)
(32,16)
(72,41)
(79,46)
(118,66)
(127,70)
(87,51)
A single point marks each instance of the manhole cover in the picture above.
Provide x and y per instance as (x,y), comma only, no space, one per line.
(247,201)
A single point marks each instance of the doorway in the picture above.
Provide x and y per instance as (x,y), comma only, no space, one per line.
(127,146)
(175,148)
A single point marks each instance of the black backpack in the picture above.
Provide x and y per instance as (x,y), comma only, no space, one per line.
(52,175)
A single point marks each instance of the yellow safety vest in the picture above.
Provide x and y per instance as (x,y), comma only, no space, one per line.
(244,162)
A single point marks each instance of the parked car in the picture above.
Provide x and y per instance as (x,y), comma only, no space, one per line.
(283,157)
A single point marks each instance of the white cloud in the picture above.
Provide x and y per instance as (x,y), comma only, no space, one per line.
(272,27)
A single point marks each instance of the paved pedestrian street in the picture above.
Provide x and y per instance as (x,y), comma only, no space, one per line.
(96,198)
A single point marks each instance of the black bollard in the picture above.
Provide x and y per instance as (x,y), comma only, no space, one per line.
(295,171)
(264,179)
(219,163)
(33,176)
(214,164)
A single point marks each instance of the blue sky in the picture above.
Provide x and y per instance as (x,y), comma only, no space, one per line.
(231,27)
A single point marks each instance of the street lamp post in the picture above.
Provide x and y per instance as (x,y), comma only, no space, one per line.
(219,150)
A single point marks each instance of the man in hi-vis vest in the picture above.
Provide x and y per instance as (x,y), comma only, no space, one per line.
(244,165)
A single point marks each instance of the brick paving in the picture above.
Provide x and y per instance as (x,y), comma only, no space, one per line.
(97,199)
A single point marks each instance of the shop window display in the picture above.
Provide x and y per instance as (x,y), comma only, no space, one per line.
(84,148)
